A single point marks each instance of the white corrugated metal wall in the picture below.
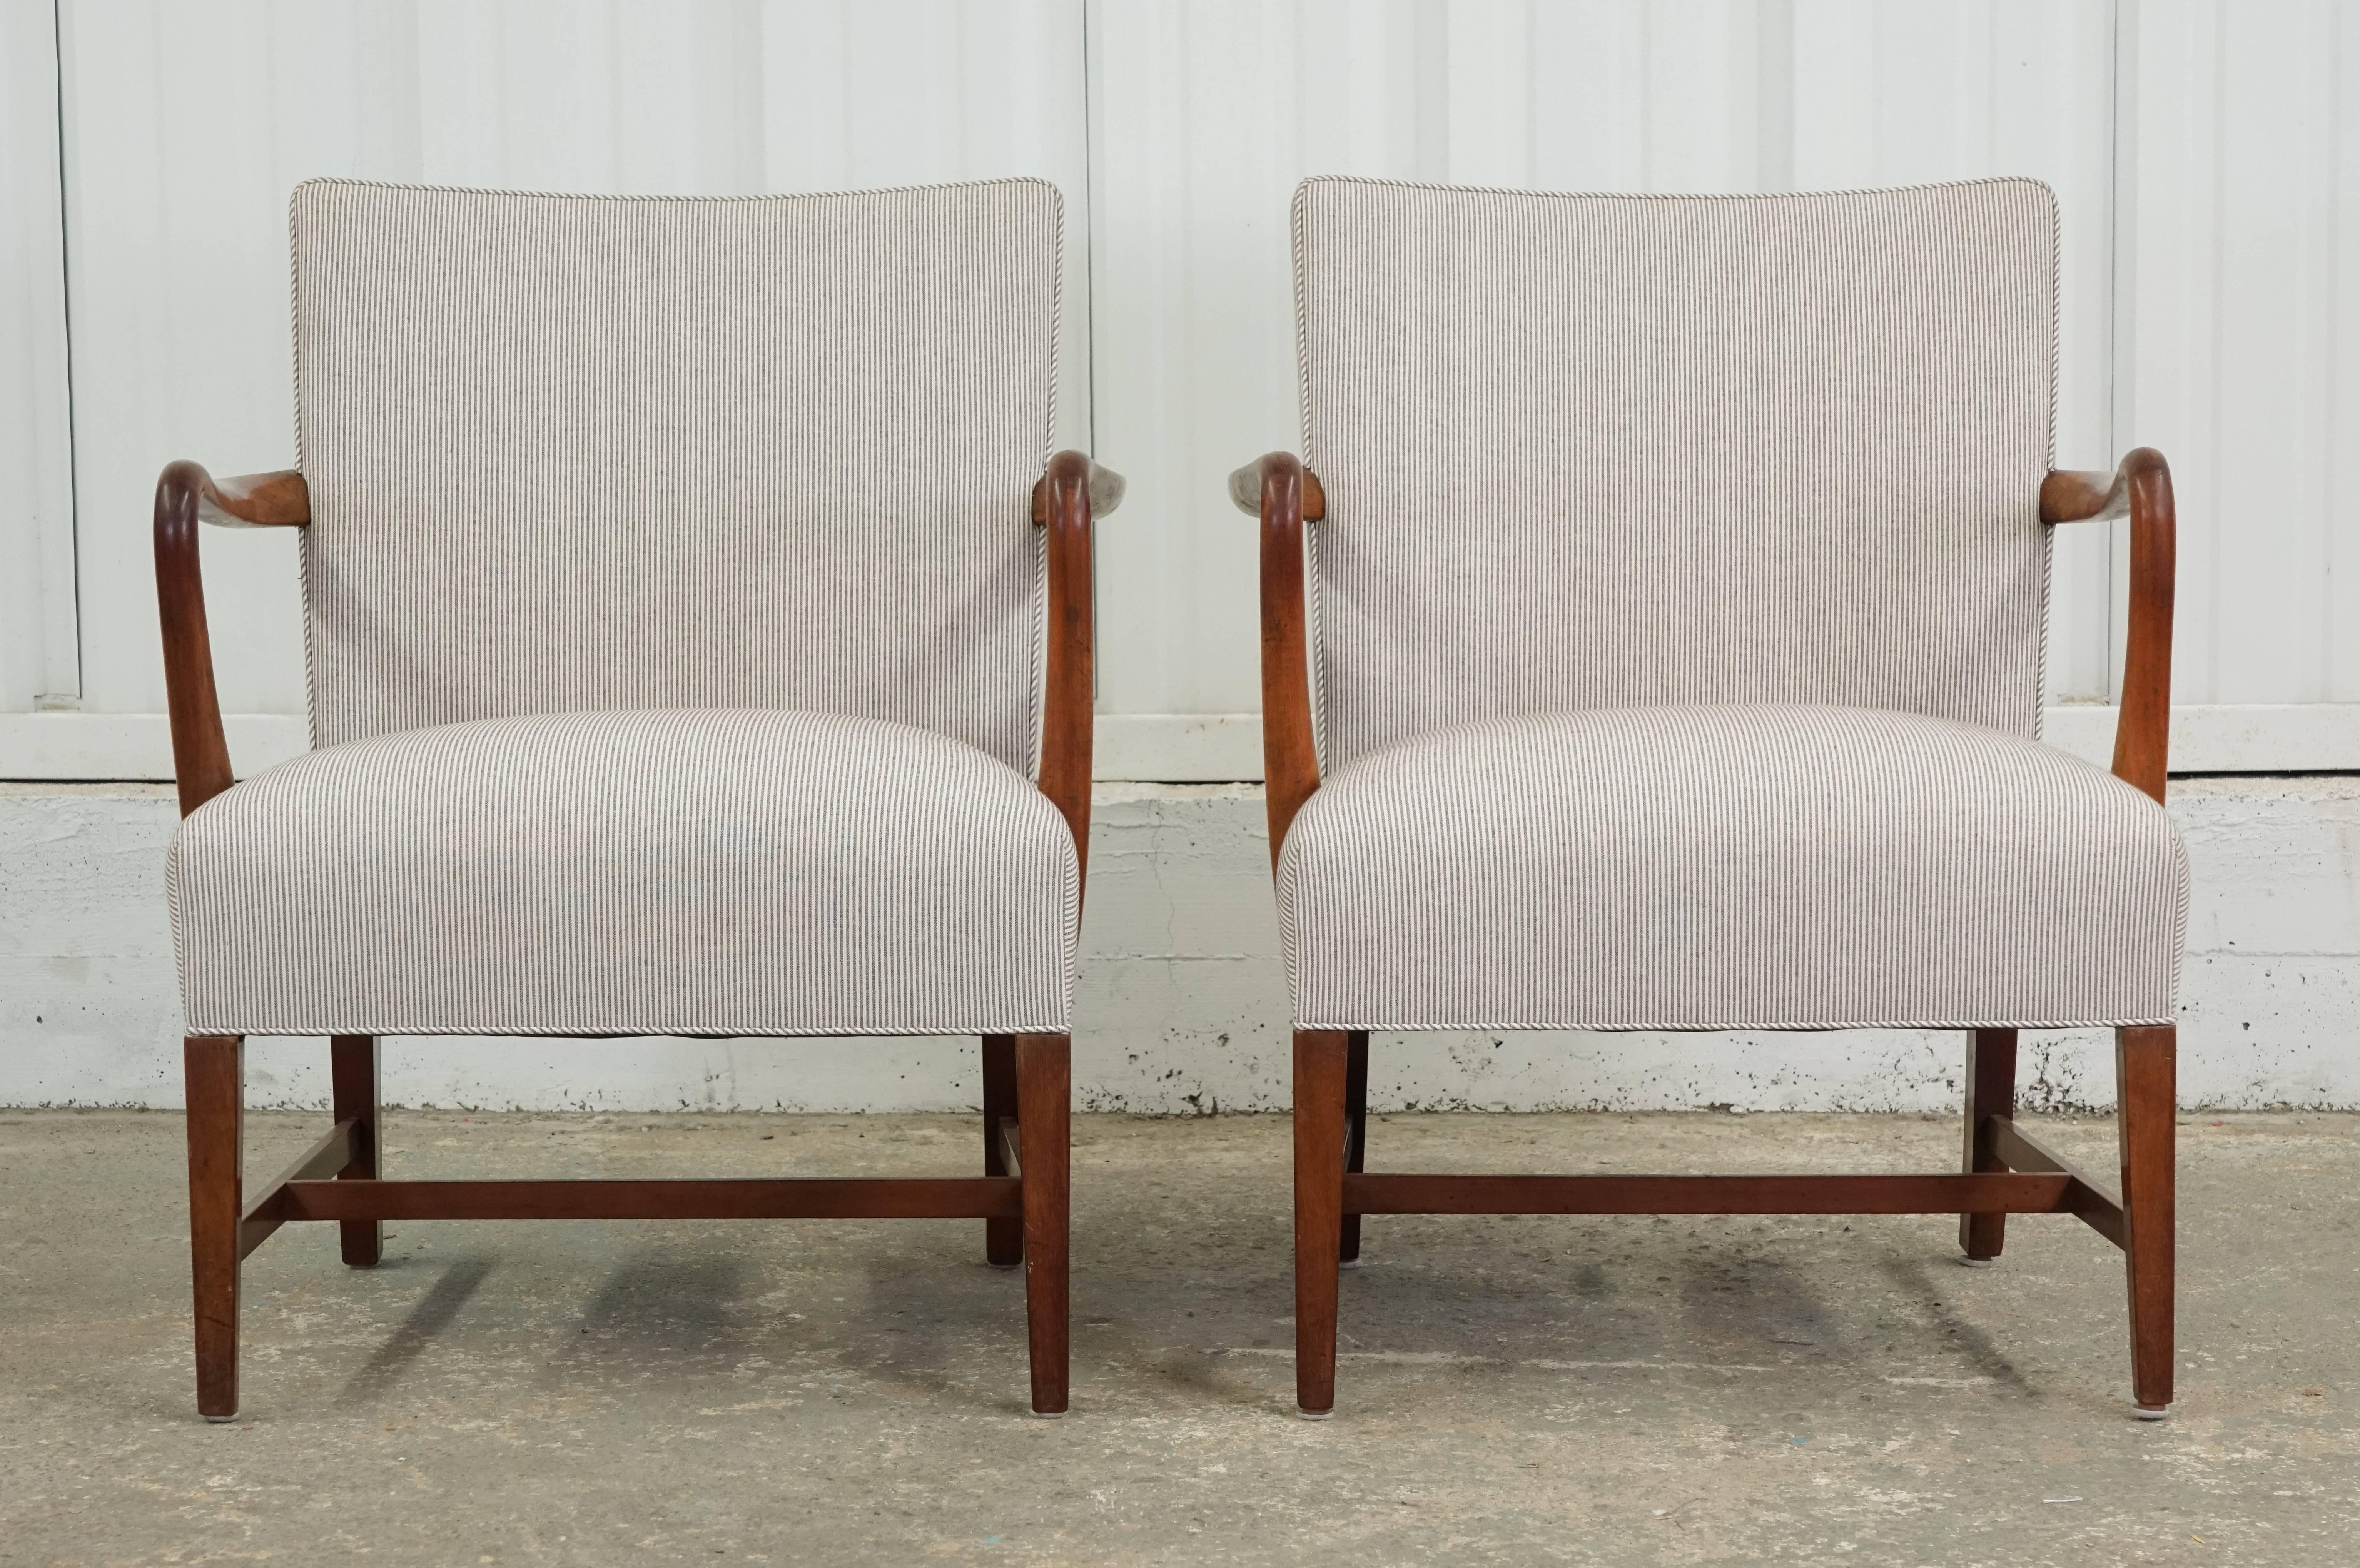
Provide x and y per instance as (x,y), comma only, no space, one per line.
(2206,173)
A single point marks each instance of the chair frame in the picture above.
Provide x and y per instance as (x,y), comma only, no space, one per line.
(1022,1197)
(2004,1170)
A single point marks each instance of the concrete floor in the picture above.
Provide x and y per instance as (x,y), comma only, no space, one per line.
(1513,1390)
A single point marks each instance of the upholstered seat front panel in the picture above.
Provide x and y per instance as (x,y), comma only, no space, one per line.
(1728,867)
(711,872)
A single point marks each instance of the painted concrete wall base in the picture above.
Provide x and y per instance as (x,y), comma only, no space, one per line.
(1183,1005)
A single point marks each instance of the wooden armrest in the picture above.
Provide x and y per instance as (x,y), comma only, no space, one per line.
(186,496)
(253,500)
(1283,494)
(1064,502)
(1106,487)
(1245,490)
(2080,495)
(2140,488)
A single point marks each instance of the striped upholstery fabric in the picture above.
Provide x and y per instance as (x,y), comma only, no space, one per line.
(675,620)
(1678,618)
(575,453)
(1589,451)
(1728,867)
(708,871)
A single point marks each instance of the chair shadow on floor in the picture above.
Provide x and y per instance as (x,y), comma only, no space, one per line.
(1914,1280)
(1651,1298)
(435,1313)
(919,1316)
(673,1301)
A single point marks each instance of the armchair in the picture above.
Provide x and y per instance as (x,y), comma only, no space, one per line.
(1670,659)
(700,643)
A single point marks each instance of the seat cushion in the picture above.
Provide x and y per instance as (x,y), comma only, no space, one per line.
(702,872)
(1728,868)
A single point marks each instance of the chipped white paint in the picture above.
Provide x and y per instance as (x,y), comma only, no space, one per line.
(1182,1004)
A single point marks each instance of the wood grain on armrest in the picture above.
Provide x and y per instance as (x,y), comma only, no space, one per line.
(255,500)
(2141,488)
(1284,495)
(186,496)
(1245,490)
(1063,504)
(1106,486)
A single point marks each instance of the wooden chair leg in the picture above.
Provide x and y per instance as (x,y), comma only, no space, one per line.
(352,1079)
(1990,1091)
(215,1066)
(1003,1240)
(1356,1130)
(1044,1090)
(1320,1074)
(2147,1063)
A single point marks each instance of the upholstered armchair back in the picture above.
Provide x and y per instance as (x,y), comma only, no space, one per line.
(574,452)
(1598,451)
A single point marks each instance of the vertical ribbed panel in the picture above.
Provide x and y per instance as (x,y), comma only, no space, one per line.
(2206,172)
(2244,234)
(178,197)
(39,643)
(1209,112)
(586,453)
(1594,451)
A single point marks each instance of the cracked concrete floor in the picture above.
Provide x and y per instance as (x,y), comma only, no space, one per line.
(1607,1390)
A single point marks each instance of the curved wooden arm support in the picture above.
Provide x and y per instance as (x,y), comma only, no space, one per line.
(1106,486)
(186,496)
(1064,502)
(253,500)
(1245,489)
(1106,490)
(1284,494)
(2141,488)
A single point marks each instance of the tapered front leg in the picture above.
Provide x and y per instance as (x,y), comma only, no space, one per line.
(1356,1131)
(1044,1089)
(352,1079)
(1003,1240)
(1321,1058)
(1990,1091)
(2146,1065)
(215,1068)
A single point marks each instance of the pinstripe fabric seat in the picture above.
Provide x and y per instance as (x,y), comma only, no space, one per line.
(1704,867)
(711,871)
(1676,622)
